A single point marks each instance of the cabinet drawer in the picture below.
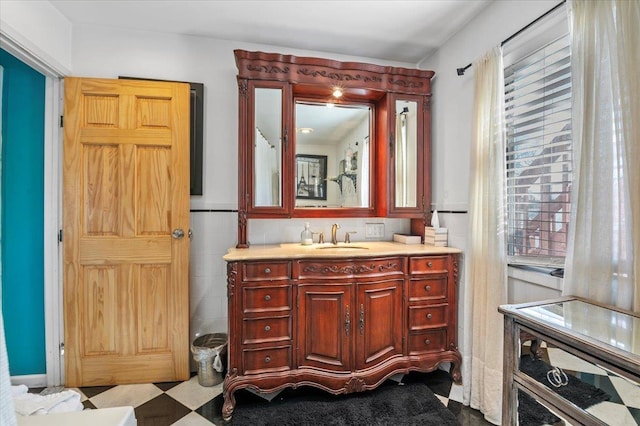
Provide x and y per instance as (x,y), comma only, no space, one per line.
(425,317)
(259,330)
(428,289)
(266,271)
(268,359)
(428,264)
(360,268)
(265,299)
(431,341)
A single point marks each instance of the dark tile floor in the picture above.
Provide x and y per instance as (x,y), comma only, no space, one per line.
(189,404)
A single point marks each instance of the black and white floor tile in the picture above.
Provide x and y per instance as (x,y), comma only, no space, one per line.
(189,404)
(623,406)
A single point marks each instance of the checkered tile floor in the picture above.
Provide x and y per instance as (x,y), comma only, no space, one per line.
(623,407)
(189,404)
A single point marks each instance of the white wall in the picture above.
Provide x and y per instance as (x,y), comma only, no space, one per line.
(110,52)
(452,118)
(40,28)
(453,95)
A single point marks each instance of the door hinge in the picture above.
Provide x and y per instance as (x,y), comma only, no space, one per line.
(60,235)
(62,348)
(62,121)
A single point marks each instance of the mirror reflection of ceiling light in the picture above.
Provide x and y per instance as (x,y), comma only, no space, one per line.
(337,92)
(304,130)
(330,105)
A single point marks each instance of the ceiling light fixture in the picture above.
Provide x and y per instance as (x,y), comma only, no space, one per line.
(337,92)
(305,130)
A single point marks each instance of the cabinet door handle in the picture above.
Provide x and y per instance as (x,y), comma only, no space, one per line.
(267,270)
(429,264)
(427,342)
(347,321)
(429,316)
(361,318)
(427,288)
(392,138)
(267,328)
(267,297)
(267,359)
(285,139)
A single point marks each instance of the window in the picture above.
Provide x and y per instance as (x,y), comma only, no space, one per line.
(539,146)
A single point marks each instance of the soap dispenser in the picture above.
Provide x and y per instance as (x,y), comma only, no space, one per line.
(306,237)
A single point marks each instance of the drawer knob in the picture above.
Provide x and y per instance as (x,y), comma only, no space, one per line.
(429,316)
(427,342)
(267,297)
(429,264)
(267,328)
(267,270)
(427,287)
(267,359)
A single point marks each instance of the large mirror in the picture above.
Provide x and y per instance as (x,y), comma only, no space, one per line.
(267,151)
(333,166)
(406,154)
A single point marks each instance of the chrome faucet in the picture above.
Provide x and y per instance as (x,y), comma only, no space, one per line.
(334,229)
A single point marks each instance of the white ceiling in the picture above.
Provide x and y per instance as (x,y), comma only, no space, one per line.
(403,31)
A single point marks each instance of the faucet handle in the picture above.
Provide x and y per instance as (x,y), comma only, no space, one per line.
(347,236)
(320,236)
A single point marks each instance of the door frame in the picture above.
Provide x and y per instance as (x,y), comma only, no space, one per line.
(54,72)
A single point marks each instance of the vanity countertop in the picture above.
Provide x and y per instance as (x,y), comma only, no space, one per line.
(328,250)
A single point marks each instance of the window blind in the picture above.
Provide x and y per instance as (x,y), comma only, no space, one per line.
(539,154)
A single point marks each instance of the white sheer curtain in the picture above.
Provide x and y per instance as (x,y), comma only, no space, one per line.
(603,252)
(487,280)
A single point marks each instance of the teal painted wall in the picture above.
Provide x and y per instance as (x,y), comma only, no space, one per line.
(22,195)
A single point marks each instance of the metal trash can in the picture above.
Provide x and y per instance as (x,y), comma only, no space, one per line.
(210,353)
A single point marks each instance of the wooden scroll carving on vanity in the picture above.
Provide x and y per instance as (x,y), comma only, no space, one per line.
(327,72)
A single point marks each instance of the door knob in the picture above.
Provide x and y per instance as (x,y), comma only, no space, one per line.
(177,234)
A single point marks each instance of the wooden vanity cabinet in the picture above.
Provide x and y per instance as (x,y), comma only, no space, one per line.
(431,307)
(349,313)
(342,324)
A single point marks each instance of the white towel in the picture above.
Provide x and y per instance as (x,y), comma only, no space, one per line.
(19,390)
(28,404)
(7,412)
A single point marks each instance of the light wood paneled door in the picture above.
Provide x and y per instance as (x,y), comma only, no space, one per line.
(126,200)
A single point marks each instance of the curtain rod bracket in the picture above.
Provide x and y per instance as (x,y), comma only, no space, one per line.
(462,70)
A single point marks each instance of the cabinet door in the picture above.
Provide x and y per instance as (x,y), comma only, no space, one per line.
(409,156)
(264,151)
(379,324)
(326,324)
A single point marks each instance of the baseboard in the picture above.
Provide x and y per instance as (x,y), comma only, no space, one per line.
(30,380)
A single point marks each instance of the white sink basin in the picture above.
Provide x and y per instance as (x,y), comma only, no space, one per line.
(347,246)
(341,246)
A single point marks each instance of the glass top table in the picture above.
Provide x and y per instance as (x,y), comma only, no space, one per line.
(614,328)
(604,336)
